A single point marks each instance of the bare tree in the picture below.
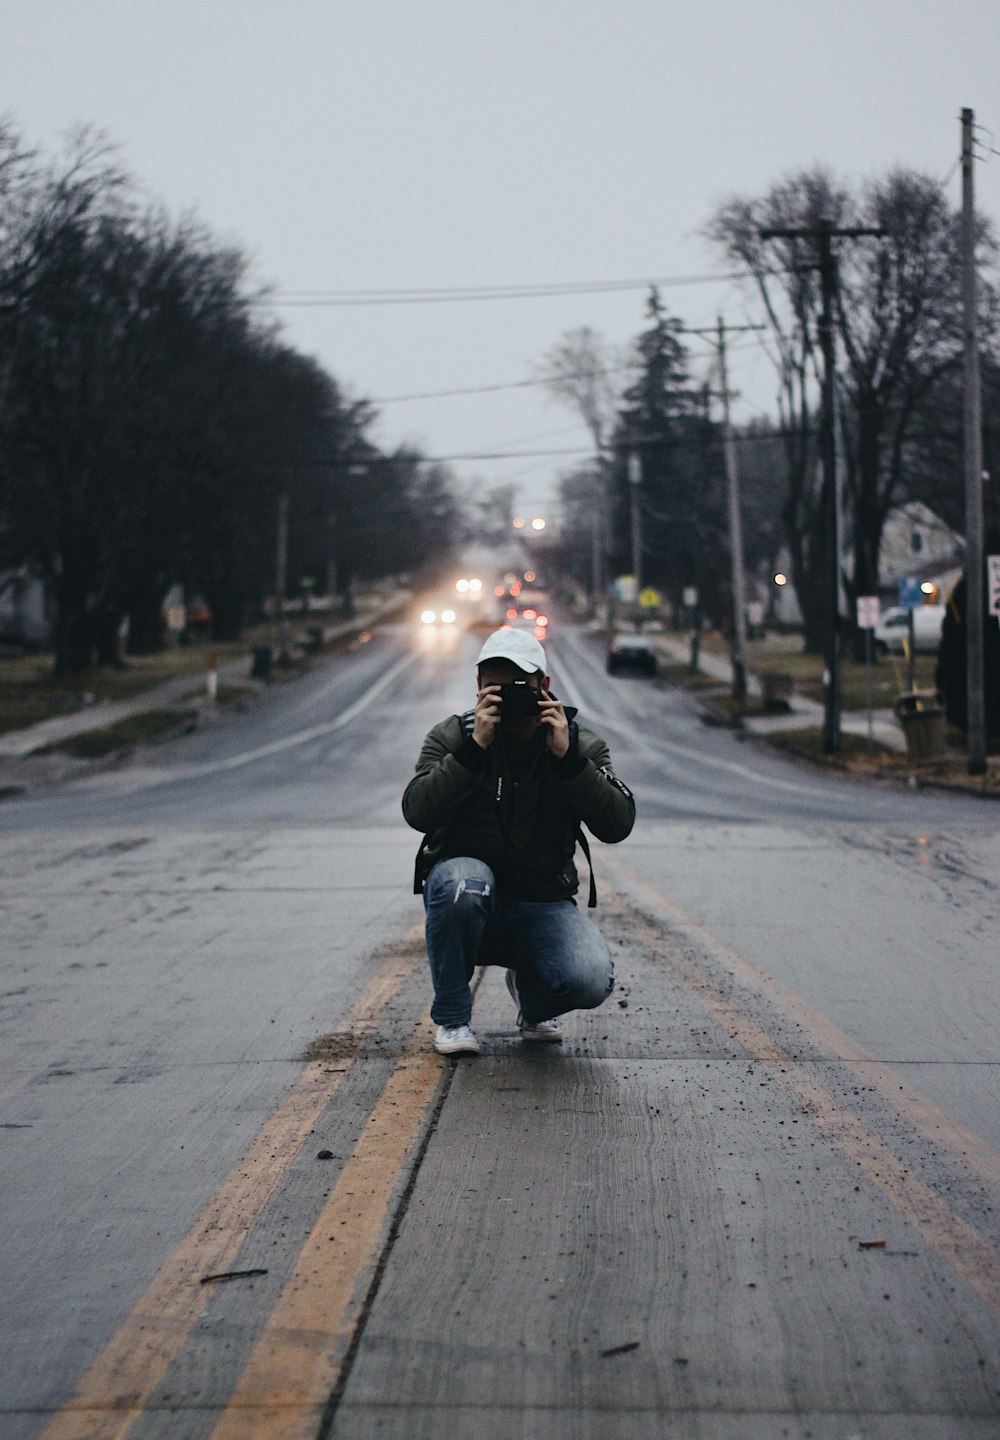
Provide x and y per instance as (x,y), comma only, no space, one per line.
(149,420)
(897,318)
(783,275)
(584,372)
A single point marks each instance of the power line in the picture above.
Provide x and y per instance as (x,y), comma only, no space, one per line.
(489,389)
(454,293)
(374,462)
(507,455)
(586,452)
(519,384)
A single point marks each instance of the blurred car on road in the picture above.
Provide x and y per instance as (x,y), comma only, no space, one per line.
(530,620)
(631,652)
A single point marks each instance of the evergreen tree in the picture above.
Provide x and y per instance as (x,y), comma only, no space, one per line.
(663,419)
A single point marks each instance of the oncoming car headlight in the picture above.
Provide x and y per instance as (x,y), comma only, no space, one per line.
(428,617)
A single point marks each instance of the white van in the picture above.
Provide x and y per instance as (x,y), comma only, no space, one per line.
(892,631)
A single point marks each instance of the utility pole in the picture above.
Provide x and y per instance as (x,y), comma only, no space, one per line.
(736,556)
(973,447)
(823,234)
(831,713)
(634,480)
(598,502)
(735,536)
(280,577)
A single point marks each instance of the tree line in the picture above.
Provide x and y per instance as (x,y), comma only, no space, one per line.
(151,418)
(898,322)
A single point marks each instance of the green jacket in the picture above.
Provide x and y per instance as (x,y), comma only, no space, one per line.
(519,811)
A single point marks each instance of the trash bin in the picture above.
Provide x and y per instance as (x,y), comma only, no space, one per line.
(261,667)
(776,692)
(921,714)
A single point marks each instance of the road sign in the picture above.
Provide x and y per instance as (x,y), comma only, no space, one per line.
(868,612)
(649,598)
(755,613)
(690,596)
(993,583)
(627,589)
(910,594)
(176,618)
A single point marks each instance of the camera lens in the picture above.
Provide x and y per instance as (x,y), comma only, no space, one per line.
(520,700)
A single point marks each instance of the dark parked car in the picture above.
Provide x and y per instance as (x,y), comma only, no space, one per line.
(631,652)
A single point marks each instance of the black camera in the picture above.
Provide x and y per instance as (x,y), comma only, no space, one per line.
(520,700)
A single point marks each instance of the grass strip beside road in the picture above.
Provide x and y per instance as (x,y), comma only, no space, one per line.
(30,692)
(132,730)
(857,755)
(783,654)
(860,756)
(29,679)
(675,672)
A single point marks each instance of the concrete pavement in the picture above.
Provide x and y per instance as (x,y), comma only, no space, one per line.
(753,1194)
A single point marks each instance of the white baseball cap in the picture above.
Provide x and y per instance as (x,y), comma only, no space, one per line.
(517,645)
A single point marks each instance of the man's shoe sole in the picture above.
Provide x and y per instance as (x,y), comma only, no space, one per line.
(462,1048)
(531,1037)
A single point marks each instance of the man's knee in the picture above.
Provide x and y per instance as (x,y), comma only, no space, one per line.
(461,884)
(593,977)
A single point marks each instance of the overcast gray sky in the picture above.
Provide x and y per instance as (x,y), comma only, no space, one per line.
(354,145)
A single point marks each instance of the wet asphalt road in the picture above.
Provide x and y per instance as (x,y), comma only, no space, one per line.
(654,1231)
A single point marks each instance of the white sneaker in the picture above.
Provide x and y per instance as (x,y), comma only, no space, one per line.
(456,1040)
(546,1032)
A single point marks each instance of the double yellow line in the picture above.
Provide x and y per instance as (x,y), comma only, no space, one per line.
(295,1363)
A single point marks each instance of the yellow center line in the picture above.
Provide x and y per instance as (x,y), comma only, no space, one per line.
(936,1124)
(117,1387)
(296,1364)
(969,1253)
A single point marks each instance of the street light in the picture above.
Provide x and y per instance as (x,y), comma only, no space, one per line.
(538,523)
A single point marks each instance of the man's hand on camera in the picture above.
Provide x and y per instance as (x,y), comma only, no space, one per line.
(487,719)
(552,715)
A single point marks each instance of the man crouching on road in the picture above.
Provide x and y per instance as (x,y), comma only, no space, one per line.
(500,793)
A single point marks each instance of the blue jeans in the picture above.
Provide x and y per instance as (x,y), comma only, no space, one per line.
(561,959)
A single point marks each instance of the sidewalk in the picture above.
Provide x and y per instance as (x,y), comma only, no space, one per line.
(803,712)
(18,744)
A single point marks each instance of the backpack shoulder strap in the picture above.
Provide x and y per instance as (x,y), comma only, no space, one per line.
(584,845)
(418,873)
